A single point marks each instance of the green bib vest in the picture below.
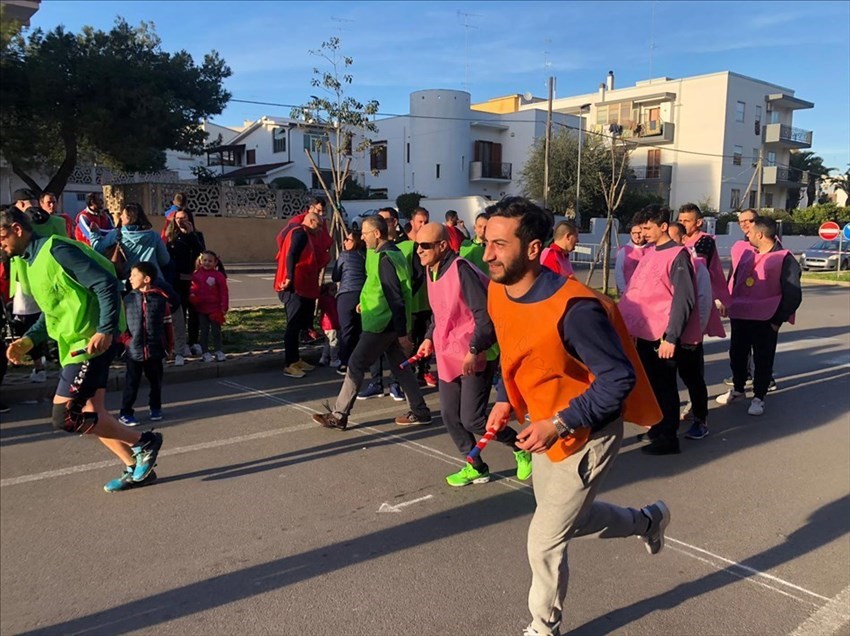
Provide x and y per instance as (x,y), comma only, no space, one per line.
(420,298)
(474,253)
(55,226)
(375,312)
(71,311)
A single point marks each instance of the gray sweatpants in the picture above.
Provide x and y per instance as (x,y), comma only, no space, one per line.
(565,493)
(370,347)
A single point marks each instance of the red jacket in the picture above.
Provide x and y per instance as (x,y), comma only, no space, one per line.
(305,278)
(322,241)
(208,292)
(456,237)
(84,222)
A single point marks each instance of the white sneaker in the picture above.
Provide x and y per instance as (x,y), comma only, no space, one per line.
(179,360)
(220,357)
(756,407)
(38,376)
(196,349)
(208,357)
(730,396)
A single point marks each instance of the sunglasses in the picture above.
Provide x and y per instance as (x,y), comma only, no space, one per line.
(429,246)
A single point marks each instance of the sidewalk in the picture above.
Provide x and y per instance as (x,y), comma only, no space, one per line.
(17,387)
(251,268)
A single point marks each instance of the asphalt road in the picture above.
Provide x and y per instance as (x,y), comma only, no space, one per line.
(263,523)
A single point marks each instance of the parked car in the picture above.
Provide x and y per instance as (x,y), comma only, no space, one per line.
(357,221)
(823,256)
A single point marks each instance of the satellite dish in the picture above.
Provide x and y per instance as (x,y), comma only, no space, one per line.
(527,96)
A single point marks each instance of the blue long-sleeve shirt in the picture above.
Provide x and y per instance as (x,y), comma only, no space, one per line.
(588,336)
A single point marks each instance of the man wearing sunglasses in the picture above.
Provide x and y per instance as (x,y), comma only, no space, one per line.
(461,334)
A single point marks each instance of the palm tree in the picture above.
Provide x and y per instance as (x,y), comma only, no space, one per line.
(807,161)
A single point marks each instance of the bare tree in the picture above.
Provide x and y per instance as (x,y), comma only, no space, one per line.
(613,188)
(335,118)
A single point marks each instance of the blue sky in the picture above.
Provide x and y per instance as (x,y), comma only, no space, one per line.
(400,47)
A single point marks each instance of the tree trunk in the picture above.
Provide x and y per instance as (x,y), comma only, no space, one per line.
(28,180)
(606,254)
(59,180)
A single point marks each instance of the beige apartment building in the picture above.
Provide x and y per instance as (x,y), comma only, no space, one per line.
(697,138)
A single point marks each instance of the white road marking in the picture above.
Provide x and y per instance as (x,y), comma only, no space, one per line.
(385,507)
(230,279)
(829,619)
(809,343)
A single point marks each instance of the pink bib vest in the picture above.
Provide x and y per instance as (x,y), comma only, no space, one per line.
(453,321)
(756,285)
(715,270)
(557,260)
(714,325)
(647,302)
(739,248)
(632,256)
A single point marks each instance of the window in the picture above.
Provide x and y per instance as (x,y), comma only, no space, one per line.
(653,164)
(740,110)
(488,152)
(755,158)
(768,199)
(758,114)
(250,157)
(771,159)
(279,140)
(326,175)
(314,142)
(438,171)
(737,155)
(753,195)
(616,114)
(735,203)
(378,155)
(81,196)
(408,152)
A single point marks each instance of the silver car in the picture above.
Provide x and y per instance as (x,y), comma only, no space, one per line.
(823,256)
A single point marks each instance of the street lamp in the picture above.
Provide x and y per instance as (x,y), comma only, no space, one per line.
(581,110)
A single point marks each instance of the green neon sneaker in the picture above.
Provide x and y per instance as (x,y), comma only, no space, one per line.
(523,464)
(469,475)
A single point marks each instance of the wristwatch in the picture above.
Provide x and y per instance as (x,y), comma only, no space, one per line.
(564,429)
(473,350)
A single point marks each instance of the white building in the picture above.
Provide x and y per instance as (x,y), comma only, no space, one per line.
(699,138)
(443,148)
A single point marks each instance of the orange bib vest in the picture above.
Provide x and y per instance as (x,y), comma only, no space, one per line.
(540,375)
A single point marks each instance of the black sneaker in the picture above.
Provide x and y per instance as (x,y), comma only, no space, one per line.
(659,518)
(342,369)
(662,447)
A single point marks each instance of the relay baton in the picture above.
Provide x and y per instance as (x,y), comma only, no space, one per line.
(410,361)
(78,352)
(475,452)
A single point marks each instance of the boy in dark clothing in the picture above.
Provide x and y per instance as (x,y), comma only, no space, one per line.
(149,340)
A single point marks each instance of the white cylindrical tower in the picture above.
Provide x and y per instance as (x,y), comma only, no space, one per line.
(439,136)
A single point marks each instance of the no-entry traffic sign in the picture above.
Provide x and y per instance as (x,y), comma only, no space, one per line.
(829,231)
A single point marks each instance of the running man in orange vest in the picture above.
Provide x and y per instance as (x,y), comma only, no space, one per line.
(577,376)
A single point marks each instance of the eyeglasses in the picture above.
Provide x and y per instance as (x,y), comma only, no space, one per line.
(429,246)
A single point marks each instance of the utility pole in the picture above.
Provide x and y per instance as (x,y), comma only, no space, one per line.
(547,145)
(760,172)
(578,175)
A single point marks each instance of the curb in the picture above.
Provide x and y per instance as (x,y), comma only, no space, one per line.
(239,364)
(823,281)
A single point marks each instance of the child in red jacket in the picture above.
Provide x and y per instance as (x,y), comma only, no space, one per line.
(329,322)
(209,297)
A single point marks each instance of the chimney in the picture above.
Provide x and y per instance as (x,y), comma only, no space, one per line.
(610,80)
(602,92)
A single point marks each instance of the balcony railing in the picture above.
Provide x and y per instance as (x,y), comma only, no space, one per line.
(789,177)
(782,133)
(661,173)
(488,170)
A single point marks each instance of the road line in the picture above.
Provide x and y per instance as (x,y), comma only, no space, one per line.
(750,571)
(829,619)
(387,507)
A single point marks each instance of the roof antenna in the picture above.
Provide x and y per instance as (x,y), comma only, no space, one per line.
(651,40)
(466,27)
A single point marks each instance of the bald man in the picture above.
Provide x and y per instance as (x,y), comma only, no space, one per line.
(557,256)
(462,335)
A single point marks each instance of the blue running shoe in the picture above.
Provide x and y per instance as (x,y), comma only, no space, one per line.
(156,415)
(374,390)
(698,430)
(396,393)
(128,420)
(145,454)
(125,481)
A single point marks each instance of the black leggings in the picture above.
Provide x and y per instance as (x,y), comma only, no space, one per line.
(350,326)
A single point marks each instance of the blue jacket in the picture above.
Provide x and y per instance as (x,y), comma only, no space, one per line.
(350,271)
(151,335)
(139,245)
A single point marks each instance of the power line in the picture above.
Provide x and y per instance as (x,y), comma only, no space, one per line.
(522,121)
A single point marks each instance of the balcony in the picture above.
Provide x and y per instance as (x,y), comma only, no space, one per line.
(488,171)
(787,136)
(784,177)
(650,132)
(652,180)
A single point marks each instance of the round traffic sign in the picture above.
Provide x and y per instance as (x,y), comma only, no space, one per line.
(847,232)
(829,231)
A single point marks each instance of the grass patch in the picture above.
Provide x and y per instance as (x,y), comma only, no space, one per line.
(843,276)
(255,329)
